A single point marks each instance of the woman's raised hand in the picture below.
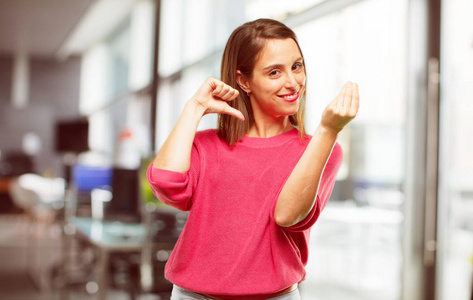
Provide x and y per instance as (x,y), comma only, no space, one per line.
(213,96)
(342,109)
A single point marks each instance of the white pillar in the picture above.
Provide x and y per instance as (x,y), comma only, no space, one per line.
(21,80)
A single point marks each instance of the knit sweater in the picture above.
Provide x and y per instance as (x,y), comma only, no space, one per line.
(231,244)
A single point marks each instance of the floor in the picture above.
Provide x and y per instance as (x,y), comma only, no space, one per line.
(350,261)
(328,276)
(19,282)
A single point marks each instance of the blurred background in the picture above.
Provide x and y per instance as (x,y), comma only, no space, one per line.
(90,89)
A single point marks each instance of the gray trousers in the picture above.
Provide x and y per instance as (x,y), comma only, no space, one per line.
(179,293)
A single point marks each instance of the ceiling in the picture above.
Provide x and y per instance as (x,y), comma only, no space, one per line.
(38,27)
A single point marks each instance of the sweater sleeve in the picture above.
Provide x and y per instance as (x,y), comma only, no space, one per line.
(326,185)
(176,188)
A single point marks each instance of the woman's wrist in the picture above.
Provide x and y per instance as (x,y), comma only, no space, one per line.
(328,132)
(195,108)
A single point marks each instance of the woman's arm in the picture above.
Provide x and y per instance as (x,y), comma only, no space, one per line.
(211,97)
(299,193)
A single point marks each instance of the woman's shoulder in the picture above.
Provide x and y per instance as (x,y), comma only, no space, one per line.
(206,137)
(206,134)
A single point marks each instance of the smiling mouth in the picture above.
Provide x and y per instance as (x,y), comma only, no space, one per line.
(290,97)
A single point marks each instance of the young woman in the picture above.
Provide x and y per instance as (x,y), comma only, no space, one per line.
(256,185)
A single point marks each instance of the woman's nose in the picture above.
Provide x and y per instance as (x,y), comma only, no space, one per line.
(291,82)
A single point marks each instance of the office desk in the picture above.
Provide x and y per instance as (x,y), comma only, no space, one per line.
(109,237)
(6,203)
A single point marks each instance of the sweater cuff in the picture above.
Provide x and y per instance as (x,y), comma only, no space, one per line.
(170,187)
(157,176)
(308,221)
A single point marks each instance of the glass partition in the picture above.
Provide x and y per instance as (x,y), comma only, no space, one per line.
(455,227)
(356,244)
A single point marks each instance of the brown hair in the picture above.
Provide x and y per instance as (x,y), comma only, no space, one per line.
(241,53)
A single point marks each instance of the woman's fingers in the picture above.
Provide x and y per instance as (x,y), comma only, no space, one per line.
(348,100)
(218,87)
(214,95)
(339,99)
(230,95)
(224,91)
(343,108)
(355,101)
(347,97)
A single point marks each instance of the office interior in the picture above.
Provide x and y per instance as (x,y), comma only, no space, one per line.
(89,91)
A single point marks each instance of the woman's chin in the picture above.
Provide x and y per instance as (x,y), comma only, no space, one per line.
(289,113)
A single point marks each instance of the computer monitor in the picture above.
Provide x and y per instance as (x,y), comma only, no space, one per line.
(125,205)
(72,136)
(86,178)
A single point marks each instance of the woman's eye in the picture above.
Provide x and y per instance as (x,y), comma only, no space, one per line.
(297,67)
(274,73)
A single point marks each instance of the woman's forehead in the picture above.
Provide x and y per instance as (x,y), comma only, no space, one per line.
(278,51)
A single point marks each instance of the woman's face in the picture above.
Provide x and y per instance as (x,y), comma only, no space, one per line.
(278,80)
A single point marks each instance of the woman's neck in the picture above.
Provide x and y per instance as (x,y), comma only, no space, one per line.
(266,129)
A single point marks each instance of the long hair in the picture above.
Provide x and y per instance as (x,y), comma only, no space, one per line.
(241,52)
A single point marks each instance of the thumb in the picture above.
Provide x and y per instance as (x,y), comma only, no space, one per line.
(233,112)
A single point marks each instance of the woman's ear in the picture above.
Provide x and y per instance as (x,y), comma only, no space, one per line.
(242,82)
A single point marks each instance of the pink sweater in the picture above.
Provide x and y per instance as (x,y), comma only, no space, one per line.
(231,244)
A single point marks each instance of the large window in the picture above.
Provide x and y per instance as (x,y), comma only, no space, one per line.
(192,37)
(356,244)
(456,147)
(115,88)
(356,248)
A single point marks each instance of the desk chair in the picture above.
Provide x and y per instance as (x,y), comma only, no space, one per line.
(142,272)
(164,227)
(42,200)
(38,196)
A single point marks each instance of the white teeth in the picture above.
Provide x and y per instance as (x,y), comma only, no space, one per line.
(291,96)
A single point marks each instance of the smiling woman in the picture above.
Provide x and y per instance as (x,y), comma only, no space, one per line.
(257,184)
(275,87)
(271,53)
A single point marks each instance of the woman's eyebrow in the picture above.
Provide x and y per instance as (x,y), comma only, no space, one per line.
(275,66)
